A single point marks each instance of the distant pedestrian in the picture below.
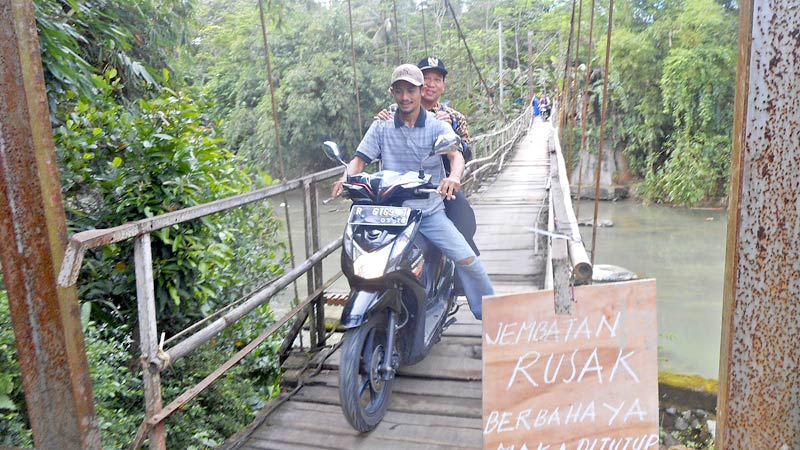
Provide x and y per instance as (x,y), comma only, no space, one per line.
(535,104)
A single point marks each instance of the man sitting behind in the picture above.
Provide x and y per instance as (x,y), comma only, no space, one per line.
(402,144)
(456,208)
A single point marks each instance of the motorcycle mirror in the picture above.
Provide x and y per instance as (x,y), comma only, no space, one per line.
(333,153)
(446,143)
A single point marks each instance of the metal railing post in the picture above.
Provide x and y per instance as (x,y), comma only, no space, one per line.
(148,336)
(316,231)
(314,276)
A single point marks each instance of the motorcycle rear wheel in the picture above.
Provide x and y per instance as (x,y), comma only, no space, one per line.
(362,390)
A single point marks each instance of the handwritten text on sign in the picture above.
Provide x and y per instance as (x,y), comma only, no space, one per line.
(586,381)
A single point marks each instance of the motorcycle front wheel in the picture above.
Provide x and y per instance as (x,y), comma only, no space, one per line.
(362,390)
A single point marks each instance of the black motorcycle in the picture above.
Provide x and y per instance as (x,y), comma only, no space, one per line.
(401,286)
(545,112)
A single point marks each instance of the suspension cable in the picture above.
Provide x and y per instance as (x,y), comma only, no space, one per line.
(355,74)
(277,135)
(573,105)
(396,33)
(424,31)
(584,111)
(469,52)
(567,84)
(602,127)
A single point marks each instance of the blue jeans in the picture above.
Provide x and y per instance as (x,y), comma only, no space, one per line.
(441,231)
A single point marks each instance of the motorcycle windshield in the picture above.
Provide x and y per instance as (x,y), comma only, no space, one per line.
(391,179)
(386,180)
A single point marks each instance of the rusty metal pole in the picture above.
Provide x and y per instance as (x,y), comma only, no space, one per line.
(760,356)
(33,237)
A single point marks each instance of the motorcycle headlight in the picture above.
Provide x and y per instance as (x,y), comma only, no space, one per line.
(371,265)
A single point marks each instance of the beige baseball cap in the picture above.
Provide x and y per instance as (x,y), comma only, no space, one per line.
(408,72)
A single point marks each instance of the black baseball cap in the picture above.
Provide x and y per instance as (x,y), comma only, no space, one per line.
(433,63)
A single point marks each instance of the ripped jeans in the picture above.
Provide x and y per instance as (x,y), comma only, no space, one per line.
(474,279)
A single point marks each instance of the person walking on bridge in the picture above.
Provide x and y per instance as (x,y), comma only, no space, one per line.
(402,144)
(458,208)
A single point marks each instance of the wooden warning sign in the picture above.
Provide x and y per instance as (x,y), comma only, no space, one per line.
(586,381)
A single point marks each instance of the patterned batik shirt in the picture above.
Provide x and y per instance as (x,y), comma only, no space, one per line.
(462,130)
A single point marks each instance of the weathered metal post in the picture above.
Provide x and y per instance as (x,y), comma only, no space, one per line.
(33,237)
(313,277)
(148,337)
(759,356)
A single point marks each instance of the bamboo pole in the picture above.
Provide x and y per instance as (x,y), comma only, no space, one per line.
(584,110)
(602,129)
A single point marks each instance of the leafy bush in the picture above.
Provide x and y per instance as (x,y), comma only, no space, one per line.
(225,408)
(14,428)
(120,164)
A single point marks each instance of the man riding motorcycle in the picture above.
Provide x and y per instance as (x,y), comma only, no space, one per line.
(402,144)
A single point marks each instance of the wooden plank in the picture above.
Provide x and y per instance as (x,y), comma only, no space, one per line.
(412,385)
(399,427)
(409,403)
(463,329)
(269,437)
(461,367)
(397,416)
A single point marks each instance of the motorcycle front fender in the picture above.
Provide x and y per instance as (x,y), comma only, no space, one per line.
(362,303)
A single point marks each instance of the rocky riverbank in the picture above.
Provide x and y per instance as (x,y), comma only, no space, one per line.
(687,417)
(687,429)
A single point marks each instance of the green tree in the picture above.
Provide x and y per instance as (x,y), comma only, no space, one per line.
(698,87)
(79,38)
(119,164)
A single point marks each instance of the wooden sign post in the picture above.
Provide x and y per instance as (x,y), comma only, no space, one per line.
(586,381)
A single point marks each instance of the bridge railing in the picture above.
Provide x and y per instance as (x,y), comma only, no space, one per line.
(491,151)
(155,358)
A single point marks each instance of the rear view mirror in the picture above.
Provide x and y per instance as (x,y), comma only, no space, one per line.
(333,153)
(446,143)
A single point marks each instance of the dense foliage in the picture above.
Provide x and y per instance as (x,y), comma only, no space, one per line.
(670,96)
(118,388)
(121,163)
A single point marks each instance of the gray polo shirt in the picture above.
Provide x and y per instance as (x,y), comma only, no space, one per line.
(402,149)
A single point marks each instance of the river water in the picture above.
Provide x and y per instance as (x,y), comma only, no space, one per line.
(682,249)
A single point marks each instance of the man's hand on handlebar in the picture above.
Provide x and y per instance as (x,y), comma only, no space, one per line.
(337,188)
(448,187)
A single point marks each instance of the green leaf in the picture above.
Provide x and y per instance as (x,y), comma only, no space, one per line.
(117,161)
(173,293)
(6,403)
(86,310)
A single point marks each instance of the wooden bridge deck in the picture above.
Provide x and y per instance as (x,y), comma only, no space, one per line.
(436,404)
